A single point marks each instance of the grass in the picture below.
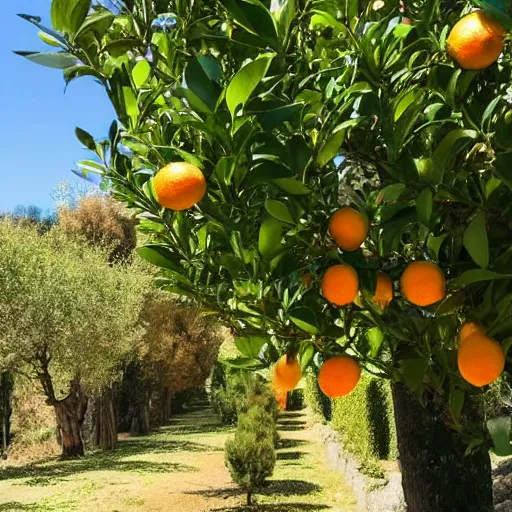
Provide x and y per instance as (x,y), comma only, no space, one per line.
(179,468)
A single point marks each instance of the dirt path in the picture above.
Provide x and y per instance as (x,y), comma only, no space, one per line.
(179,469)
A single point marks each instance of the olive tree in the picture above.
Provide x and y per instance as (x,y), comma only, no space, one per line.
(292,108)
(67,319)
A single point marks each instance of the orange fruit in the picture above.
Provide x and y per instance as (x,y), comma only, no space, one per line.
(281,398)
(384,290)
(338,376)
(340,284)
(476,41)
(468,329)
(481,359)
(423,283)
(348,228)
(287,373)
(179,186)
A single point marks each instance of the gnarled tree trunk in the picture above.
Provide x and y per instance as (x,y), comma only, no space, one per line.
(69,411)
(100,426)
(70,414)
(436,476)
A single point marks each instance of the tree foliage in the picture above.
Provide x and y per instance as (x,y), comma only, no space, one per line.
(291,108)
(75,316)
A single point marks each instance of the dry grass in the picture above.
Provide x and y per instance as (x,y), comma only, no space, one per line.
(33,424)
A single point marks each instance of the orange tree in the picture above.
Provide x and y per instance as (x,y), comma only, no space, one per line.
(290,109)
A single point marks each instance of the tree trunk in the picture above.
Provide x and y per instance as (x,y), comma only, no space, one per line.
(70,414)
(160,407)
(6,388)
(436,476)
(249,498)
(101,421)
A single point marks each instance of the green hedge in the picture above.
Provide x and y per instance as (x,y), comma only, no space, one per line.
(314,398)
(365,420)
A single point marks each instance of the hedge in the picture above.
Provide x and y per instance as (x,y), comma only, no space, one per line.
(365,420)
(314,398)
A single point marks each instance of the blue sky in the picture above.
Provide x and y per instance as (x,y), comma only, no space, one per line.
(37,119)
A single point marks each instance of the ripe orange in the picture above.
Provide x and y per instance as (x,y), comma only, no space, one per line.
(468,329)
(340,284)
(476,41)
(348,228)
(287,373)
(384,290)
(281,397)
(338,376)
(481,359)
(179,186)
(423,283)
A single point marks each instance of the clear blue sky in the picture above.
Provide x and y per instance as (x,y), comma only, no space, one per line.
(38,147)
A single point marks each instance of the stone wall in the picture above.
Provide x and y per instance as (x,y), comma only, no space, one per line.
(372,494)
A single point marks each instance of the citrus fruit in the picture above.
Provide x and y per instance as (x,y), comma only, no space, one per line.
(481,359)
(287,373)
(348,228)
(384,290)
(338,376)
(476,41)
(340,284)
(281,398)
(423,283)
(468,329)
(179,186)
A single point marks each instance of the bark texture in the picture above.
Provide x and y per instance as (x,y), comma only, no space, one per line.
(436,476)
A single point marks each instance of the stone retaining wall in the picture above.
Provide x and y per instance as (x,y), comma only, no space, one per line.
(372,494)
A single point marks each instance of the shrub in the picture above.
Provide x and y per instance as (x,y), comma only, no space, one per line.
(314,398)
(295,400)
(250,456)
(364,419)
(250,461)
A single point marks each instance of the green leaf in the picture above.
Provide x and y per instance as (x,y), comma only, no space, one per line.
(270,236)
(500,428)
(245,82)
(475,240)
(331,148)
(250,346)
(254,17)
(140,73)
(477,276)
(283,12)
(500,16)
(456,402)
(274,117)
(449,147)
(56,60)
(324,19)
(424,203)
(131,105)
(291,186)
(391,193)
(305,319)
(98,22)
(160,256)
(306,355)
(413,371)
(279,211)
(210,66)
(375,338)
(503,168)
(488,112)
(85,138)
(69,15)
(434,244)
(198,82)
(35,20)
(49,40)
